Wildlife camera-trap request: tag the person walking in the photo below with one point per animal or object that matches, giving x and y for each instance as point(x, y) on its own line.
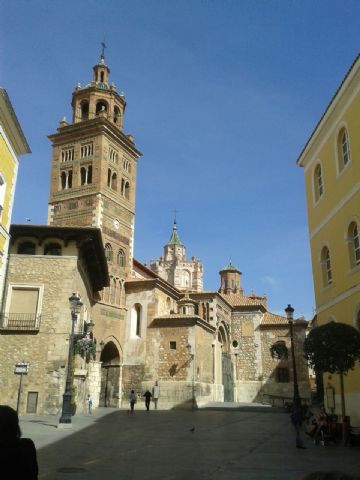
point(147, 396)
point(17, 455)
point(132, 400)
point(156, 394)
point(89, 404)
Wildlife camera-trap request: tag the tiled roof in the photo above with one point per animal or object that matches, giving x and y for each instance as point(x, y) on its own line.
point(273, 319)
point(238, 299)
point(230, 267)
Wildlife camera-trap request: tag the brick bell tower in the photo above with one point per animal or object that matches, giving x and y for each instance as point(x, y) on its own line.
point(93, 176)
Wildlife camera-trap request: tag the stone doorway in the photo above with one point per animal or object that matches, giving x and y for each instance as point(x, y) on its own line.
point(110, 376)
point(227, 374)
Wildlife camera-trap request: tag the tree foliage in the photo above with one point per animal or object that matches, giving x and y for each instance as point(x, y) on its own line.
point(333, 347)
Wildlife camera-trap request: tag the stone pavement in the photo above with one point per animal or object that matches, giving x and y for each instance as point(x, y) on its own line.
point(224, 444)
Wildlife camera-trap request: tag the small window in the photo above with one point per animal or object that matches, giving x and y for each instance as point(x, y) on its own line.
point(52, 249)
point(318, 183)
point(326, 266)
point(343, 148)
point(235, 344)
point(282, 375)
point(354, 244)
point(26, 248)
point(172, 345)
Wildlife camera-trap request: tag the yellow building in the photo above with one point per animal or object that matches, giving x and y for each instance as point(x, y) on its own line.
point(331, 162)
point(12, 144)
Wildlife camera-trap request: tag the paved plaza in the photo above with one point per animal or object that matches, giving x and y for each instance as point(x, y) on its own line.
point(223, 444)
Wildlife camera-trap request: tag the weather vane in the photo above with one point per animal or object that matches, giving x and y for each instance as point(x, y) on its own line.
point(103, 49)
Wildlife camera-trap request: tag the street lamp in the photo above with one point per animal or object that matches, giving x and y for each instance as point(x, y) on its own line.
point(290, 316)
point(192, 355)
point(66, 413)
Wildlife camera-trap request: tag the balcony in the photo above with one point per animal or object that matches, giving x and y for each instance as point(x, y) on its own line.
point(25, 322)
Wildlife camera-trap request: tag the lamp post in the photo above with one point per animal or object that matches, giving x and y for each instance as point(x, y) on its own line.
point(66, 413)
point(192, 357)
point(290, 316)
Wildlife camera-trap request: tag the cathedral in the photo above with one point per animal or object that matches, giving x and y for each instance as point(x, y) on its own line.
point(138, 324)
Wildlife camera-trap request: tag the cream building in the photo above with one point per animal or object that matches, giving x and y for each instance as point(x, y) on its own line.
point(12, 144)
point(331, 163)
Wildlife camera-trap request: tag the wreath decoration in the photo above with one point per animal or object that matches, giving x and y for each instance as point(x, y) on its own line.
point(279, 350)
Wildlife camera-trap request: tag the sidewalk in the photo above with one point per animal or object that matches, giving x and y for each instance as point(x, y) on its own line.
point(43, 428)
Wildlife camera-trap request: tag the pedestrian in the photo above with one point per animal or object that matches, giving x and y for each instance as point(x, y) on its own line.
point(296, 419)
point(156, 394)
point(147, 396)
point(132, 400)
point(17, 455)
point(89, 404)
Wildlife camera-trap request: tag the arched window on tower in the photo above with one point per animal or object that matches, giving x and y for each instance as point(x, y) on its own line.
point(116, 115)
point(63, 180)
point(86, 175)
point(109, 178)
point(83, 175)
point(89, 174)
point(108, 252)
point(101, 106)
point(84, 110)
point(114, 181)
point(69, 179)
point(127, 190)
point(121, 258)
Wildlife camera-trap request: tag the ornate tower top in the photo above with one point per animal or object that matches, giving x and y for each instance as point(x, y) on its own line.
point(99, 98)
point(174, 239)
point(230, 279)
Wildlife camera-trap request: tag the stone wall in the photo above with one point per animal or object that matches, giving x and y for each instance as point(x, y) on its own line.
point(46, 350)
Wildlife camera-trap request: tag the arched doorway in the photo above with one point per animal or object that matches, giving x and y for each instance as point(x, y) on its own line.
point(226, 365)
point(110, 376)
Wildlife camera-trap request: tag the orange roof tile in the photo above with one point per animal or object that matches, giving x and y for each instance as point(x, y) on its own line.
point(238, 299)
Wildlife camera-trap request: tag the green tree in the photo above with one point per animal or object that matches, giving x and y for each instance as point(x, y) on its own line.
point(334, 348)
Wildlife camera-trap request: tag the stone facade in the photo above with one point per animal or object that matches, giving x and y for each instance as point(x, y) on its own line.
point(39, 334)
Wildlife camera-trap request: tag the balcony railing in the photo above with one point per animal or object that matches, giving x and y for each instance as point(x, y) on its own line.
point(20, 321)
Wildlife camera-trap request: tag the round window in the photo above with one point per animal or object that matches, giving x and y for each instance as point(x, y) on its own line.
point(235, 344)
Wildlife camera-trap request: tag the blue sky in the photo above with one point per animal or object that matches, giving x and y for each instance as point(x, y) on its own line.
point(221, 97)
